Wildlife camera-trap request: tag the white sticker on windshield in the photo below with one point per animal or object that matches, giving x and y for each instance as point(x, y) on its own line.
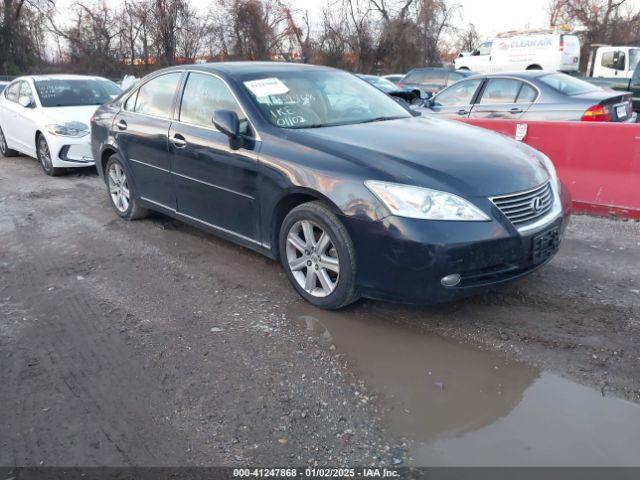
point(267, 86)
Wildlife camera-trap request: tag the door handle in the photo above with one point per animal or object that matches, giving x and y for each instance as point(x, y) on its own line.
point(122, 125)
point(463, 112)
point(178, 141)
point(516, 110)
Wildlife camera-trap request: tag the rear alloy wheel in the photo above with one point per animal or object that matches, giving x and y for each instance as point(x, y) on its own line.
point(44, 156)
point(121, 192)
point(318, 256)
point(4, 148)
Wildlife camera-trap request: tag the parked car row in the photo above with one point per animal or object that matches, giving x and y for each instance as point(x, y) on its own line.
point(352, 192)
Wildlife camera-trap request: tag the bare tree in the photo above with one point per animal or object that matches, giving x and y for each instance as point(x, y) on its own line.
point(21, 33)
point(467, 39)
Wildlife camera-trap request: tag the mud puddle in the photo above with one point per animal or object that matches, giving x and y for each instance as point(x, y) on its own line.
point(463, 406)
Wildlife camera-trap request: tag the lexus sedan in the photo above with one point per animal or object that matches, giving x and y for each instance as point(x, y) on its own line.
point(312, 166)
point(531, 95)
point(47, 117)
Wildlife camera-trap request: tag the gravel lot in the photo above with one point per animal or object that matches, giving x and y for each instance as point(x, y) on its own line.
point(152, 343)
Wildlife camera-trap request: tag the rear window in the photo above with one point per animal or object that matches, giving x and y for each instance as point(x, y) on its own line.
point(566, 84)
point(426, 76)
point(75, 92)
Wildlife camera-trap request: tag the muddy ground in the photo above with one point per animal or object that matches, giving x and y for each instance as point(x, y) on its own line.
point(152, 343)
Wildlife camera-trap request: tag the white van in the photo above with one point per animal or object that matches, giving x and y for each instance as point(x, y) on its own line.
point(539, 50)
point(606, 61)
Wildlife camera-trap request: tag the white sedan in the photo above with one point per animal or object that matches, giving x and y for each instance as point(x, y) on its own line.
point(47, 117)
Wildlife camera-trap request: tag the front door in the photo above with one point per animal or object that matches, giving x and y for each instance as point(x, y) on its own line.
point(142, 129)
point(456, 101)
point(499, 99)
point(214, 184)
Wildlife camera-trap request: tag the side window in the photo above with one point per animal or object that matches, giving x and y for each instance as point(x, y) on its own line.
point(500, 90)
point(615, 60)
point(130, 103)
point(484, 49)
point(203, 94)
point(527, 94)
point(13, 91)
point(459, 94)
point(25, 91)
point(156, 96)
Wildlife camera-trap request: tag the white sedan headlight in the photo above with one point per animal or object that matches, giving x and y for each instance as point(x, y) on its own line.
point(67, 130)
point(424, 203)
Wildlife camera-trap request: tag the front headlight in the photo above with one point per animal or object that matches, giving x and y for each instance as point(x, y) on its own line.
point(424, 203)
point(67, 130)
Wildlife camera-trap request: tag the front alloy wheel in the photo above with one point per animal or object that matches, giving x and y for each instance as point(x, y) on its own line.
point(318, 256)
point(44, 156)
point(313, 258)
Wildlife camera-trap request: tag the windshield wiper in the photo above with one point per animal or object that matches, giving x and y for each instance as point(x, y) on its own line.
point(381, 119)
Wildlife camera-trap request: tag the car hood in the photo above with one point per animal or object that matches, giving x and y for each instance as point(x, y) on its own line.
point(432, 152)
point(69, 115)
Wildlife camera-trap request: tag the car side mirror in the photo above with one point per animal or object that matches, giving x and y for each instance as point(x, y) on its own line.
point(228, 123)
point(26, 102)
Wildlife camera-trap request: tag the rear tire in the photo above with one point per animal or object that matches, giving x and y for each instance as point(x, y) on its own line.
point(122, 196)
point(44, 157)
point(5, 151)
point(318, 256)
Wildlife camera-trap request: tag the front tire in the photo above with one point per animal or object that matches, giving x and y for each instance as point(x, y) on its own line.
point(44, 157)
point(5, 151)
point(318, 256)
point(120, 189)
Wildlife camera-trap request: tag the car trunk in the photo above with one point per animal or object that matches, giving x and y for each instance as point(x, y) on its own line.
point(619, 104)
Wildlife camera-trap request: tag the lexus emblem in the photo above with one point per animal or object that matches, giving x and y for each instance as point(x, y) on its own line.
point(536, 204)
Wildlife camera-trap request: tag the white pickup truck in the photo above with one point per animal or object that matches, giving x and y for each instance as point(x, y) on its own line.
point(609, 62)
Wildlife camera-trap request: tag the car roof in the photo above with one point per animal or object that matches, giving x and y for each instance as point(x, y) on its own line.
point(525, 74)
point(232, 68)
point(63, 77)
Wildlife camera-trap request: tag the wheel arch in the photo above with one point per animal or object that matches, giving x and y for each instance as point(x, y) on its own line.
point(288, 202)
point(105, 154)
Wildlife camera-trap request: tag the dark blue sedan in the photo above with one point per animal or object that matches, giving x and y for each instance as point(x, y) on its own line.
point(344, 186)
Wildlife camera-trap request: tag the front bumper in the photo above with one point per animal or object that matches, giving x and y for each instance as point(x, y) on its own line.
point(71, 152)
point(404, 260)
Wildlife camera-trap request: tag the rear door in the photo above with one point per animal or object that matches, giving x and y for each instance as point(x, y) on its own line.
point(26, 121)
point(214, 183)
point(141, 130)
point(457, 100)
point(499, 99)
point(9, 112)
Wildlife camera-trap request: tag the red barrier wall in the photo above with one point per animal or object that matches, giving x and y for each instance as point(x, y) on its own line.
point(598, 162)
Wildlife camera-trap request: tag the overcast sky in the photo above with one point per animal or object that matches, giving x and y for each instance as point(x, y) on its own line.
point(489, 16)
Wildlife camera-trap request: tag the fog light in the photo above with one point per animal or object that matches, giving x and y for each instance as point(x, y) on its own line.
point(450, 280)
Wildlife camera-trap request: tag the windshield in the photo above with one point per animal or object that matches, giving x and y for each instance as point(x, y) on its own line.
point(634, 57)
point(76, 92)
point(567, 84)
point(312, 99)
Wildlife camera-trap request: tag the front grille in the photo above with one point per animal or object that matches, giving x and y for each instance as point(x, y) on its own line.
point(520, 208)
